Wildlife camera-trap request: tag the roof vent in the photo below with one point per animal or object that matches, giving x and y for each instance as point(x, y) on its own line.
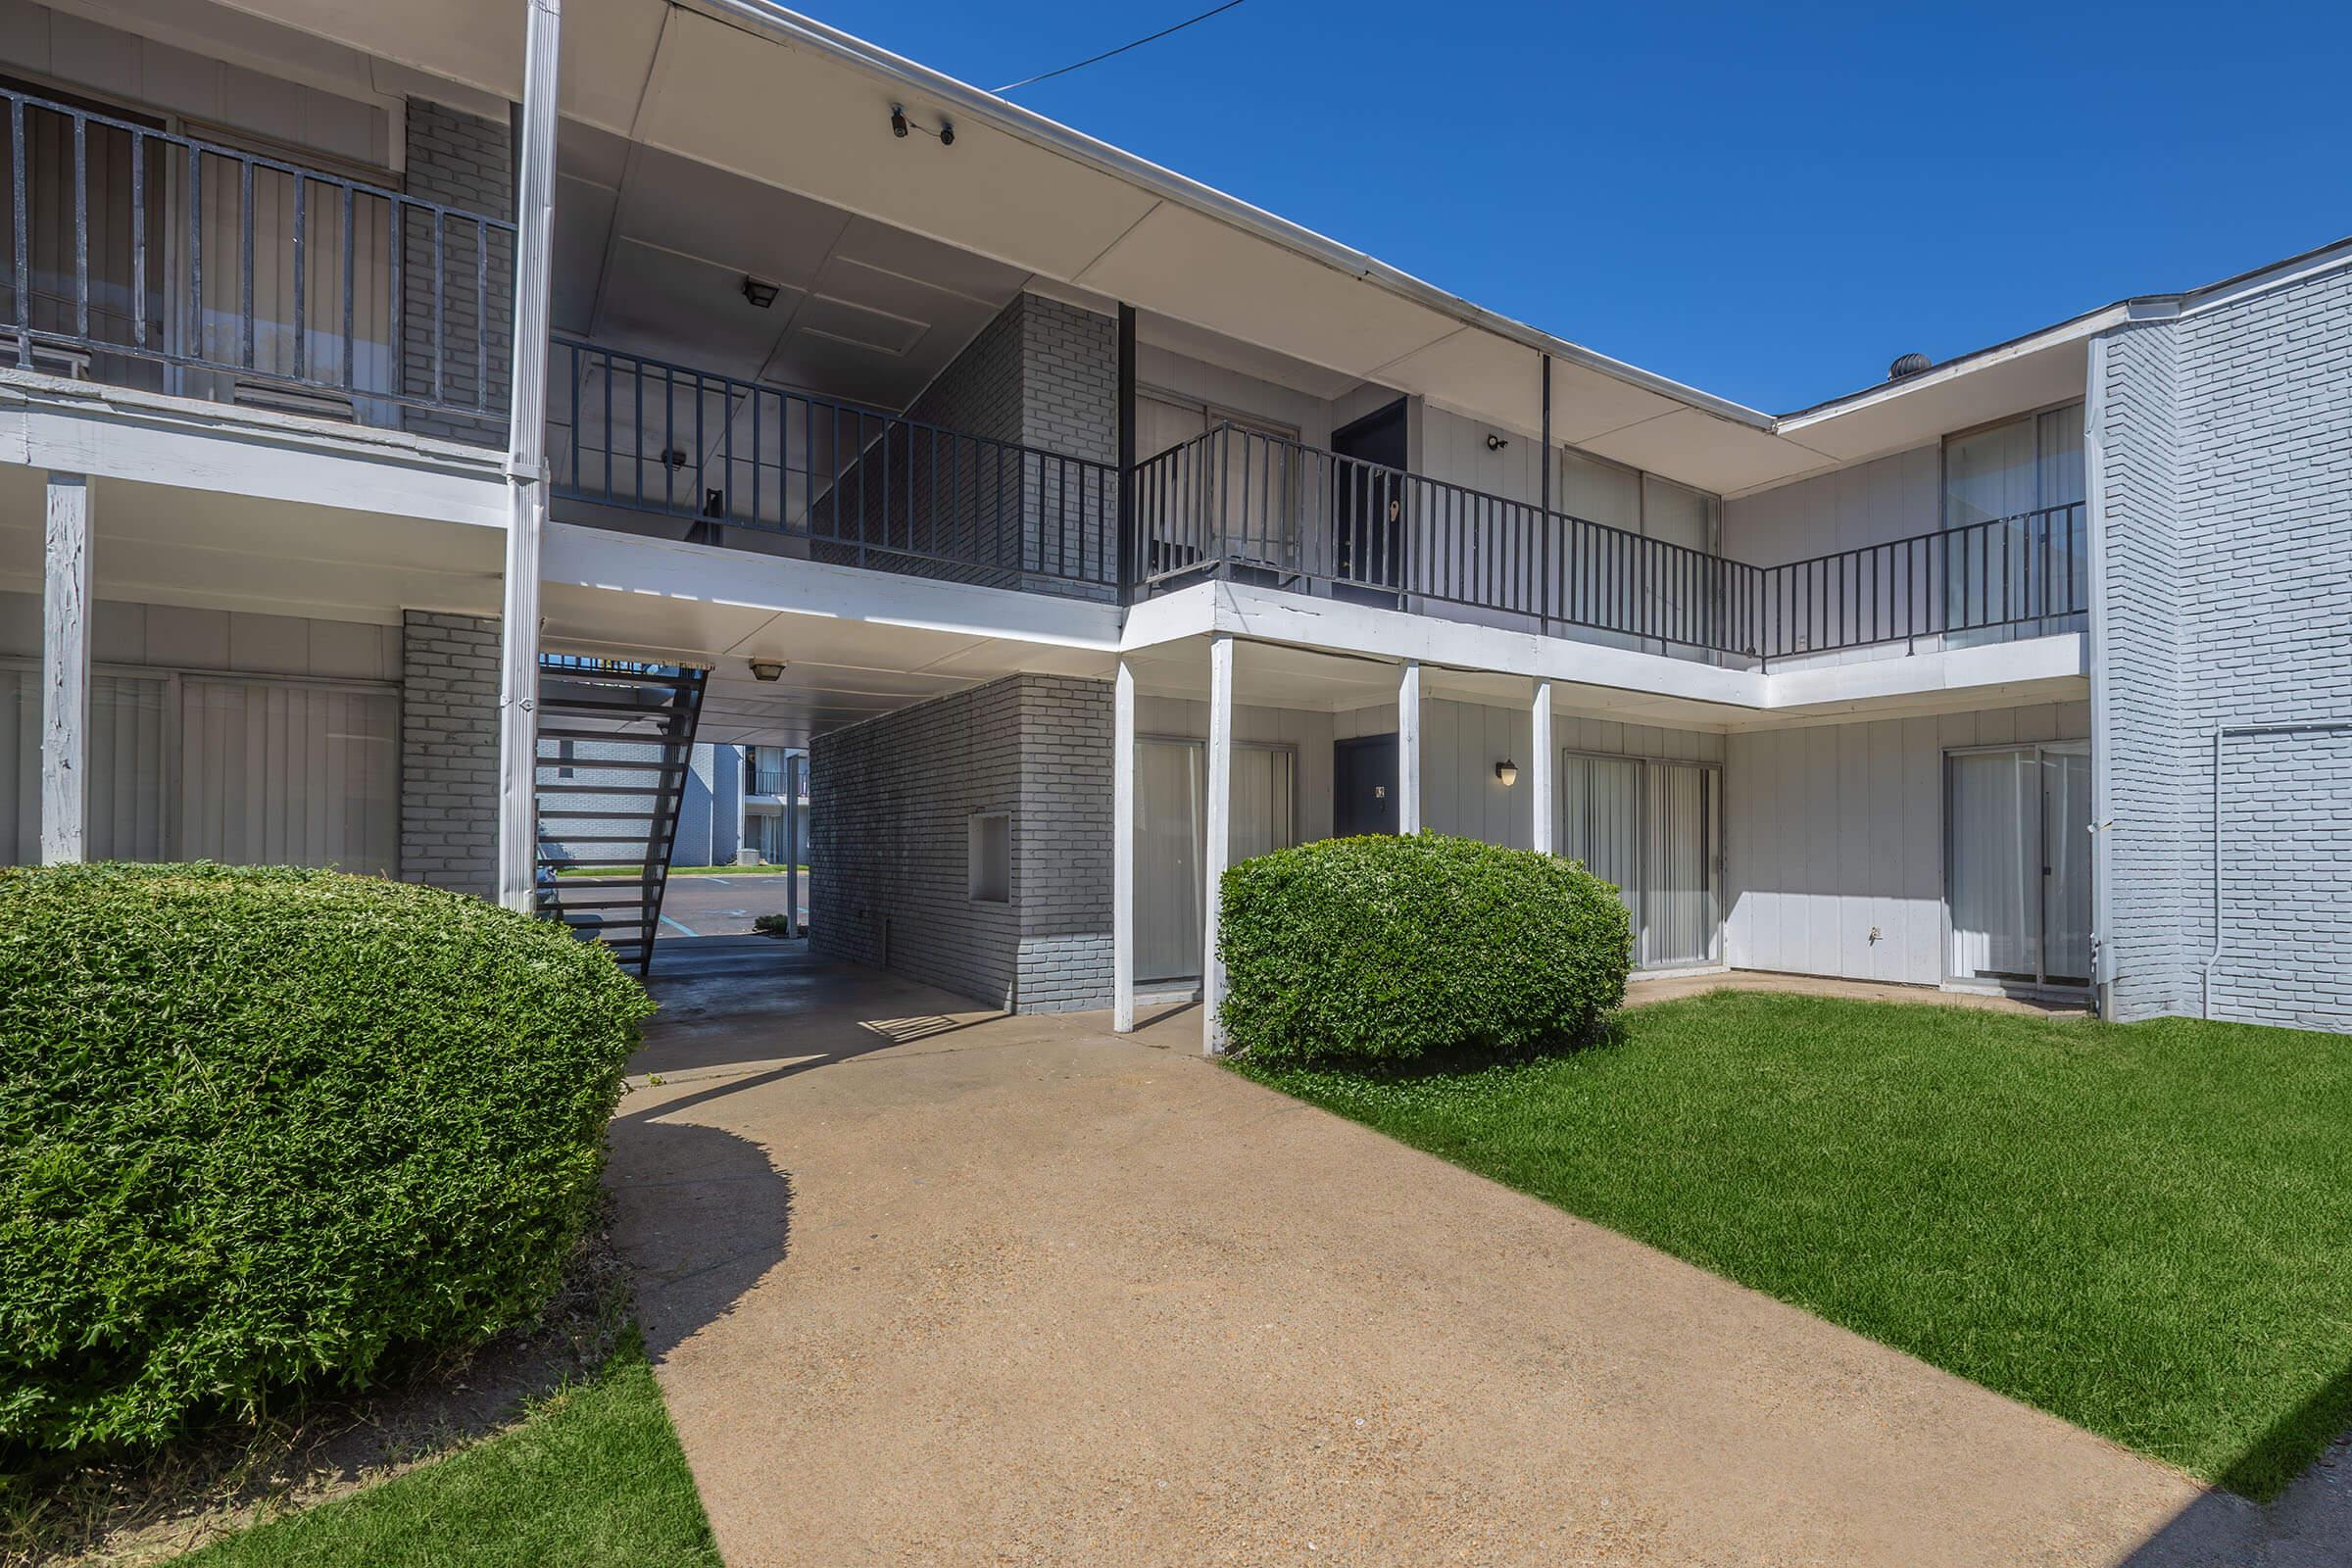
point(1909, 365)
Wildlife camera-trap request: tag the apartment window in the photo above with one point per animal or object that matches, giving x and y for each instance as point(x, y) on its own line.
point(2018, 545)
point(989, 857)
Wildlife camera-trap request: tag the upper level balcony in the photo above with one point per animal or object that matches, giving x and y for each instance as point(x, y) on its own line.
point(147, 257)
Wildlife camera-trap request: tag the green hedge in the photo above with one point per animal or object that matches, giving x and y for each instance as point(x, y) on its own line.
point(261, 1127)
point(1401, 948)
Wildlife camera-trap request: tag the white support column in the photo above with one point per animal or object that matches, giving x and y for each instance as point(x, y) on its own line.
point(527, 467)
point(1540, 769)
point(793, 768)
point(1408, 749)
point(1122, 850)
point(1220, 829)
point(66, 673)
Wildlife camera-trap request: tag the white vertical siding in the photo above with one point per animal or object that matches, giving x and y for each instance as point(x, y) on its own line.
point(1833, 831)
point(19, 767)
point(276, 773)
point(1868, 504)
point(126, 773)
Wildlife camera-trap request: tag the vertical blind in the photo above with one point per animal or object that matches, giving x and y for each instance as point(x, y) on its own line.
point(1171, 837)
point(1649, 827)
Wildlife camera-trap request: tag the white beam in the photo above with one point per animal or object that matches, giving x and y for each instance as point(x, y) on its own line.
point(66, 672)
point(527, 467)
point(1539, 770)
point(1122, 850)
point(1220, 820)
point(1408, 749)
point(793, 768)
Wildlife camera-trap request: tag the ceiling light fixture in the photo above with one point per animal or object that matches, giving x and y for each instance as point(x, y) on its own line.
point(767, 669)
point(1508, 771)
point(759, 293)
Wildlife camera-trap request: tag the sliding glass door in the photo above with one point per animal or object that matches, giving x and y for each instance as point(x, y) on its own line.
point(1171, 838)
point(2018, 875)
point(1649, 828)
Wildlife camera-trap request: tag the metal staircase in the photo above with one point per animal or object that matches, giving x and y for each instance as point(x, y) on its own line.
point(615, 743)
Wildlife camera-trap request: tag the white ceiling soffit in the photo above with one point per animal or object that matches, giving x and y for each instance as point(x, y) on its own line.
point(2048, 367)
point(809, 113)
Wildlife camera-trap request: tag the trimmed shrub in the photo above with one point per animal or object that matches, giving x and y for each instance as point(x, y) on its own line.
point(261, 1128)
point(1397, 948)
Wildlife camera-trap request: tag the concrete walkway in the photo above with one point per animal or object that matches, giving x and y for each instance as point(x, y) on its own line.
point(929, 1285)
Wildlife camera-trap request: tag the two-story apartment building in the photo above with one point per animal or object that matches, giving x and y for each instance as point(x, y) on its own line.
point(392, 398)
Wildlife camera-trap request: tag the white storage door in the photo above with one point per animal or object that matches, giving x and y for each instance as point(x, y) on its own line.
point(284, 775)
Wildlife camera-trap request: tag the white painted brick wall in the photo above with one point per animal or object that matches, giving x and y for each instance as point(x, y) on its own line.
point(2228, 508)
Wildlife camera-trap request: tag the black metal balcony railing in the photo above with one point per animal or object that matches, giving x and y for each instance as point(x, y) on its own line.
point(139, 257)
point(861, 486)
point(1242, 503)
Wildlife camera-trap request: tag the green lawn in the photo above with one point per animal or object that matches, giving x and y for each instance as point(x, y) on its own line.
point(592, 1479)
point(2145, 1229)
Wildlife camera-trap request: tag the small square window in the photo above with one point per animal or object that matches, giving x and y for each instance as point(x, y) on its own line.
point(988, 837)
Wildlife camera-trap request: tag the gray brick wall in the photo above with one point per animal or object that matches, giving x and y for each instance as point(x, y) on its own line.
point(467, 163)
point(2227, 510)
point(1041, 375)
point(449, 752)
point(891, 800)
point(1061, 851)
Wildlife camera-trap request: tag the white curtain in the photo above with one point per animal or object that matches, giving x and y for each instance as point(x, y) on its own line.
point(1601, 820)
point(213, 329)
point(1171, 834)
point(1995, 872)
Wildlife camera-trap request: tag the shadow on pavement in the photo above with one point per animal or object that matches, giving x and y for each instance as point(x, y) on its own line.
point(701, 1214)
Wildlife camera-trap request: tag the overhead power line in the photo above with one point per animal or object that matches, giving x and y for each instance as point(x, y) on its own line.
point(1045, 76)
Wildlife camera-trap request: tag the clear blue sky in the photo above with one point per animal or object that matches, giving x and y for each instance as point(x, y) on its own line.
point(1768, 202)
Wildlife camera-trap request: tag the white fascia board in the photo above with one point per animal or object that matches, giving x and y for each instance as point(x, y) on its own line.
point(582, 557)
point(2025, 661)
point(1269, 615)
point(116, 433)
point(1364, 631)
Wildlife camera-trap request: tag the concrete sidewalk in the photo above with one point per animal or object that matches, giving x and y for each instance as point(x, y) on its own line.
point(930, 1286)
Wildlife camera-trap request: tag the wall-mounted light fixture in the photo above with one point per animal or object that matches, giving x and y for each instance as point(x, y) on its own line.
point(767, 669)
point(1495, 443)
point(1508, 771)
point(900, 126)
point(759, 293)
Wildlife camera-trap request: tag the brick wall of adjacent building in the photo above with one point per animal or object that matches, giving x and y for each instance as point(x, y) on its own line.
point(467, 163)
point(891, 805)
point(449, 752)
point(2227, 517)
